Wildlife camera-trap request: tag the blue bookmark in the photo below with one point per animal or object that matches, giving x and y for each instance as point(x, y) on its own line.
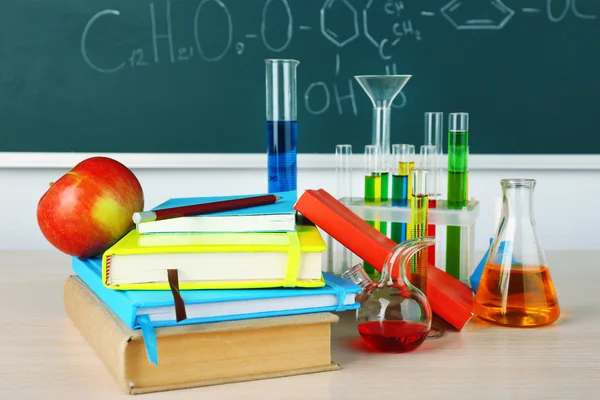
point(149, 338)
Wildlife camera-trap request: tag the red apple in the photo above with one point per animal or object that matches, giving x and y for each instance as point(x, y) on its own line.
point(90, 207)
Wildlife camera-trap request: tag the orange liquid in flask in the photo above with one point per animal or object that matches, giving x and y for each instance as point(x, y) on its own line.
point(519, 297)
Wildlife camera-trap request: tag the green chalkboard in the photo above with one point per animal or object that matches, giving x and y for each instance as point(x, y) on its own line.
point(187, 76)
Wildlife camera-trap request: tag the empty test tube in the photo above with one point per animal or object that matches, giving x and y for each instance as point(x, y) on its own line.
point(427, 159)
point(341, 256)
point(434, 136)
point(343, 167)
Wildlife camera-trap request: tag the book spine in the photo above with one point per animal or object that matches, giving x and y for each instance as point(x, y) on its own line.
point(107, 268)
point(345, 226)
point(340, 295)
point(99, 329)
point(116, 300)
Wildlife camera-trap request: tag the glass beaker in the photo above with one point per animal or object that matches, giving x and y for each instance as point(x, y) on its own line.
point(282, 125)
point(394, 316)
point(516, 288)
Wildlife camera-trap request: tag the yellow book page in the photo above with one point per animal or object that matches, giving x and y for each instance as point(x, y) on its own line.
point(217, 285)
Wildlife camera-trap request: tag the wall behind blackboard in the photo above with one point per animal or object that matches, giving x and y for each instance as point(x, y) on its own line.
point(187, 76)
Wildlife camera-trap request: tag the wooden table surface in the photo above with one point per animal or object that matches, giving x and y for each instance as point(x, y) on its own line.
point(42, 355)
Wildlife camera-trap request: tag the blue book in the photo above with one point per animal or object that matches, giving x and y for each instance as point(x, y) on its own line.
point(277, 217)
point(148, 309)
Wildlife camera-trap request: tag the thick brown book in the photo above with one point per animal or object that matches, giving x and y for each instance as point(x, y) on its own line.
point(201, 354)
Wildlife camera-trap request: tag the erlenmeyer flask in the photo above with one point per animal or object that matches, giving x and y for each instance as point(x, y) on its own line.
point(394, 316)
point(516, 288)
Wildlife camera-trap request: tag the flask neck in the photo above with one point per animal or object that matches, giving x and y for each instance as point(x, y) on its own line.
point(516, 241)
point(517, 202)
point(358, 275)
point(394, 268)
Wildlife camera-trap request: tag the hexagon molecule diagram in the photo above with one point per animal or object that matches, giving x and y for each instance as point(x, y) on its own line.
point(477, 14)
point(346, 22)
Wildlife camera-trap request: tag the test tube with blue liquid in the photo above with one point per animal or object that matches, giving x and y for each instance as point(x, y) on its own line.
point(402, 167)
point(282, 128)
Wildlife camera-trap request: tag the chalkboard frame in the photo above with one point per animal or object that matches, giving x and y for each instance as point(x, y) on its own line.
point(306, 161)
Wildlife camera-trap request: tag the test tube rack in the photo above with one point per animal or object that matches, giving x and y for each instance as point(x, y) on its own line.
point(440, 216)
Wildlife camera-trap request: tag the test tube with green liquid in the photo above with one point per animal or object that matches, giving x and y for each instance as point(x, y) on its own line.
point(467, 195)
point(372, 177)
point(458, 150)
point(402, 167)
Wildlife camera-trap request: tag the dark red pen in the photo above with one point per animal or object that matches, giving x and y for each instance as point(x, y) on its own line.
point(206, 208)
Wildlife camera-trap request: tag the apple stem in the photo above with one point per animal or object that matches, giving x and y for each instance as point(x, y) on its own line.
point(51, 183)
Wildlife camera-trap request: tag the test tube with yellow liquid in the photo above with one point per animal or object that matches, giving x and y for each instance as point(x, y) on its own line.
point(419, 207)
point(372, 194)
point(402, 166)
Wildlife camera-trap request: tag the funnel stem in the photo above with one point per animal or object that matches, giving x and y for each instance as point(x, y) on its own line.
point(382, 90)
point(381, 135)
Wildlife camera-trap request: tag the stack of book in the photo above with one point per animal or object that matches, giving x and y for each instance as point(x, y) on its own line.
point(210, 299)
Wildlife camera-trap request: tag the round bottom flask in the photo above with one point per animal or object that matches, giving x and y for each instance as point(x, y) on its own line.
point(394, 316)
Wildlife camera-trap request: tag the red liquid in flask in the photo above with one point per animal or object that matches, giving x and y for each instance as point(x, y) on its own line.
point(393, 336)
